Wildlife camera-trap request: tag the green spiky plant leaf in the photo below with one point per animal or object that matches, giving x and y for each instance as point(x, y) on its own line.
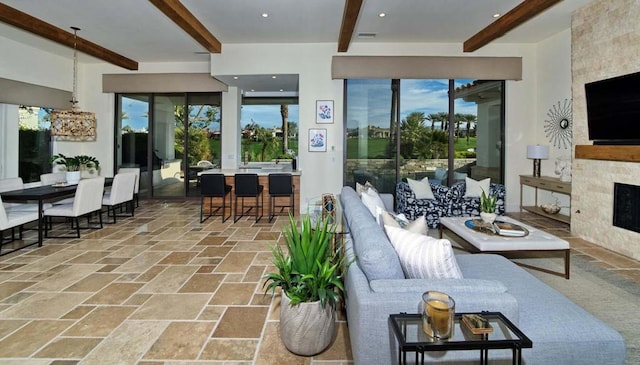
point(487, 203)
point(310, 269)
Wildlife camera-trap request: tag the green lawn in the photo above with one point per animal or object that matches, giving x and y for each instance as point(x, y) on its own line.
point(376, 147)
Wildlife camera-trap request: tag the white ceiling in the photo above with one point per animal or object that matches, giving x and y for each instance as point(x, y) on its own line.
point(138, 30)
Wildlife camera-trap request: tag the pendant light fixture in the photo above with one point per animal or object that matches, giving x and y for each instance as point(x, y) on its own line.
point(74, 124)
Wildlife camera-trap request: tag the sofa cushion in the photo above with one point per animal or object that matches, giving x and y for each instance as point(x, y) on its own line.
point(375, 254)
point(422, 188)
point(418, 226)
point(423, 257)
point(372, 201)
point(474, 189)
point(444, 285)
point(362, 188)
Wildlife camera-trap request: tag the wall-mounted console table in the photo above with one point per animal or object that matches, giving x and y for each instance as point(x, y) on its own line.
point(545, 183)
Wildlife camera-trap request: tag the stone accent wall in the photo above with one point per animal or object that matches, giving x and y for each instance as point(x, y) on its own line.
point(605, 43)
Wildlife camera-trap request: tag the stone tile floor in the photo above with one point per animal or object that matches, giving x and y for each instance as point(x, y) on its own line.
point(162, 288)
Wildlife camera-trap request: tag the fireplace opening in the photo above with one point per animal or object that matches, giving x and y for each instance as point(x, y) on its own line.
point(626, 206)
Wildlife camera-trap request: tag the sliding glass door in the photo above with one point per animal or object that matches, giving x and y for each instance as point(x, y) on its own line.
point(185, 131)
point(443, 130)
point(132, 137)
point(168, 123)
point(203, 138)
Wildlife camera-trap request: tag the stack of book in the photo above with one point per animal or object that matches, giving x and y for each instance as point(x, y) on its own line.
point(508, 229)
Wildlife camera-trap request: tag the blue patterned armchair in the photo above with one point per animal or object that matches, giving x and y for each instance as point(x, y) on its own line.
point(412, 207)
point(448, 202)
point(470, 207)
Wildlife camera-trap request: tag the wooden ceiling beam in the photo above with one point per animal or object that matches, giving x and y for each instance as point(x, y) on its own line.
point(36, 26)
point(515, 17)
point(180, 15)
point(349, 20)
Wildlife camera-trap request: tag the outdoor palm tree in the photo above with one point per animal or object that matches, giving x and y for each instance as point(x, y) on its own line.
point(440, 117)
point(412, 132)
point(268, 141)
point(468, 118)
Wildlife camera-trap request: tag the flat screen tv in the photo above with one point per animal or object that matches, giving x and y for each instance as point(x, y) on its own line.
point(613, 110)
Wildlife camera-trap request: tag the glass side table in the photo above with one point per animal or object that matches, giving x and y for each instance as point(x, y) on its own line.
point(407, 329)
point(341, 229)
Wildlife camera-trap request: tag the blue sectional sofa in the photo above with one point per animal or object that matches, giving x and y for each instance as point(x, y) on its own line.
point(448, 202)
point(561, 331)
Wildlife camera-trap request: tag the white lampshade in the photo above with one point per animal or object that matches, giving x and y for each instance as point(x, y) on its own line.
point(538, 151)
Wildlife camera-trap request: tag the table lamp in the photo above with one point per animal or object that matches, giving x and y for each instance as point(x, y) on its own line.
point(537, 153)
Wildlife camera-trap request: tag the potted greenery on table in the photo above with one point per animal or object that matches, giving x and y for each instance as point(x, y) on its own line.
point(309, 276)
point(77, 166)
point(488, 208)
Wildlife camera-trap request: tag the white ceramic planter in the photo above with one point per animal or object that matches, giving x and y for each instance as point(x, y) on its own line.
point(488, 218)
point(307, 328)
point(73, 177)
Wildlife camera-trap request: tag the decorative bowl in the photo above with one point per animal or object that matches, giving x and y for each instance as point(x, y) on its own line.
point(550, 208)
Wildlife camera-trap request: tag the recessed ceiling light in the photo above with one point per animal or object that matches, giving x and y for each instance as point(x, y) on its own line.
point(274, 77)
point(281, 89)
point(253, 89)
point(365, 35)
point(382, 15)
point(496, 15)
point(265, 15)
point(235, 77)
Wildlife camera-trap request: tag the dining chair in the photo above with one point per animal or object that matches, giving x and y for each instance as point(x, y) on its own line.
point(11, 183)
point(52, 178)
point(121, 194)
point(280, 186)
point(86, 202)
point(135, 170)
point(247, 186)
point(214, 186)
point(15, 183)
point(10, 219)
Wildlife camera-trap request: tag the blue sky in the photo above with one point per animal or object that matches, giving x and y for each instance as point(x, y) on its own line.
point(267, 116)
point(371, 99)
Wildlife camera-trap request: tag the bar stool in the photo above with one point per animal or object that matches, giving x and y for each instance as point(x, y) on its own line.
point(214, 186)
point(280, 185)
point(247, 186)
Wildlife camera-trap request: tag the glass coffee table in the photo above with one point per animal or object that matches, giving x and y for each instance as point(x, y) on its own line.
point(407, 329)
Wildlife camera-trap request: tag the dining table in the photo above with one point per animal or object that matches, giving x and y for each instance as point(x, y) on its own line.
point(42, 194)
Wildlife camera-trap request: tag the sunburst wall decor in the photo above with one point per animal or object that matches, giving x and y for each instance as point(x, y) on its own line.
point(558, 124)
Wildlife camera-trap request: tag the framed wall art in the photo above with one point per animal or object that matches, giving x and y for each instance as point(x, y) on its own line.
point(324, 111)
point(317, 140)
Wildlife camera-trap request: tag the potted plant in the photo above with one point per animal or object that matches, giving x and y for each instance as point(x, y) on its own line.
point(309, 276)
point(77, 165)
point(488, 208)
point(89, 166)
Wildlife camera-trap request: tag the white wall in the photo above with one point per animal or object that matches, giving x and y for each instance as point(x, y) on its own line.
point(553, 58)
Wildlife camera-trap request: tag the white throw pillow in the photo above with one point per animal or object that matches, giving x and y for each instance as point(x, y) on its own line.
point(423, 257)
point(399, 221)
point(422, 188)
point(372, 201)
point(475, 188)
point(361, 188)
